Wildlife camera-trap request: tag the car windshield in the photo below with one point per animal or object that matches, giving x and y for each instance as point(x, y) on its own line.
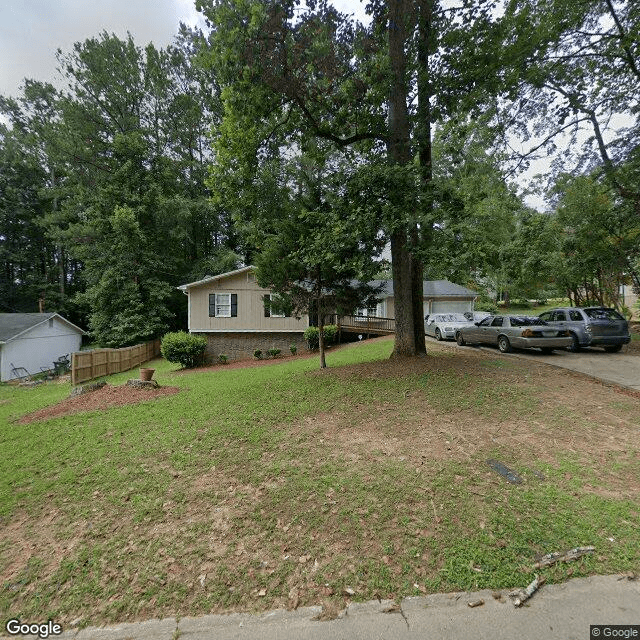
point(603, 314)
point(526, 321)
point(453, 317)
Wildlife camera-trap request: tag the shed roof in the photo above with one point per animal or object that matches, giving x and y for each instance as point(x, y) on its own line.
point(14, 324)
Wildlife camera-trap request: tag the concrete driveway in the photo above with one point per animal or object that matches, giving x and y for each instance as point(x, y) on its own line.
point(611, 367)
point(617, 368)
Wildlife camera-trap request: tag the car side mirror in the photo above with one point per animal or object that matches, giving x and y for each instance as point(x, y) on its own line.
point(477, 324)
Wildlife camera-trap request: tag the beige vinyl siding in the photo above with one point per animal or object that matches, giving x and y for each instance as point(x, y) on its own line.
point(250, 308)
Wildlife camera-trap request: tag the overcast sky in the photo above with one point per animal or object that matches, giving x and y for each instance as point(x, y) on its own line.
point(32, 30)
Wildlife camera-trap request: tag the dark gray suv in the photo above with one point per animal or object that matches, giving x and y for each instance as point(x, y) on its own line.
point(590, 326)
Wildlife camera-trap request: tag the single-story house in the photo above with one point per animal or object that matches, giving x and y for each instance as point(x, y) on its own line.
point(229, 310)
point(33, 341)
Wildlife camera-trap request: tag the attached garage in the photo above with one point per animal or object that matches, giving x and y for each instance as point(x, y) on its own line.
point(34, 341)
point(440, 296)
point(450, 306)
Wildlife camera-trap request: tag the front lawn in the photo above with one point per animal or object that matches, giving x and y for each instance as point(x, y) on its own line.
point(280, 485)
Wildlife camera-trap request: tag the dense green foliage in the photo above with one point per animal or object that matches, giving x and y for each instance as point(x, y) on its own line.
point(312, 335)
point(298, 139)
point(105, 209)
point(183, 348)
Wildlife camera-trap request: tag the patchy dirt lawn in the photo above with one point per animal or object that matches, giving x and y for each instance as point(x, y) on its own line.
point(386, 493)
point(107, 397)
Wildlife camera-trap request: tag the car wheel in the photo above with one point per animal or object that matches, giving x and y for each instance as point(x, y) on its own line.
point(460, 339)
point(613, 349)
point(546, 350)
point(438, 335)
point(575, 344)
point(503, 344)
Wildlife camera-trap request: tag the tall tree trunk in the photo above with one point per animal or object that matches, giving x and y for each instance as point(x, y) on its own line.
point(399, 152)
point(323, 362)
point(422, 235)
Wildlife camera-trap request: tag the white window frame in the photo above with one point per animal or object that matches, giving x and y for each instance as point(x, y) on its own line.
point(378, 313)
point(276, 314)
point(221, 305)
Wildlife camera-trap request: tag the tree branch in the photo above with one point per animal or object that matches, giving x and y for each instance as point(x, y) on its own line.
point(629, 55)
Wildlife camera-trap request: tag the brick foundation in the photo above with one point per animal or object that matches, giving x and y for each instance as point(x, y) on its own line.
point(239, 346)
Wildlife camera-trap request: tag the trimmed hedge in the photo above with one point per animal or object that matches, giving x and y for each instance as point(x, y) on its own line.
point(312, 336)
point(183, 348)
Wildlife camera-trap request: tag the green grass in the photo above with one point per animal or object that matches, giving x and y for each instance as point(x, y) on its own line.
point(536, 310)
point(235, 478)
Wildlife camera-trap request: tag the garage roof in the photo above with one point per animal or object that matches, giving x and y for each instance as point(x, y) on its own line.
point(432, 289)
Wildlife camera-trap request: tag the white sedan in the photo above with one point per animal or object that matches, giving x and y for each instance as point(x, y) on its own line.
point(443, 326)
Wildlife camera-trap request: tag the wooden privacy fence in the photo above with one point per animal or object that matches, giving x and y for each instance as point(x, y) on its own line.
point(87, 365)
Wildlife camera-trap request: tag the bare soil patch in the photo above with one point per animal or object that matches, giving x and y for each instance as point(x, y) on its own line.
point(422, 430)
point(106, 398)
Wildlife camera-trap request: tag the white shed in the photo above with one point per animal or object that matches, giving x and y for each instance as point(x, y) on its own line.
point(34, 341)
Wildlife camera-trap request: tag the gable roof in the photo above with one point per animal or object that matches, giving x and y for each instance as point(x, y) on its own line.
point(13, 325)
point(207, 279)
point(431, 289)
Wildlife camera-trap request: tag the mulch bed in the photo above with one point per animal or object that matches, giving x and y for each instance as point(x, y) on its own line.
point(105, 398)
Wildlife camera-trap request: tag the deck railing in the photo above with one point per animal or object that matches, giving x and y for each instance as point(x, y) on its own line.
point(364, 324)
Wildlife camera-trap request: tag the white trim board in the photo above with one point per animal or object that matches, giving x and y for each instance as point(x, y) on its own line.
point(247, 330)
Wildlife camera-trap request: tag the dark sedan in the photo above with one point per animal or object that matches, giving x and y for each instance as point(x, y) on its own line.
point(522, 332)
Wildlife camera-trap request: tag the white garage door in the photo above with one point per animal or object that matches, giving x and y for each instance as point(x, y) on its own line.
point(451, 306)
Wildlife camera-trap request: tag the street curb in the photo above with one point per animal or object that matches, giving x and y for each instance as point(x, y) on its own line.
point(605, 599)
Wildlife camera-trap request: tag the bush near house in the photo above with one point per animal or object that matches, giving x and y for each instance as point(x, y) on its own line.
point(183, 348)
point(312, 336)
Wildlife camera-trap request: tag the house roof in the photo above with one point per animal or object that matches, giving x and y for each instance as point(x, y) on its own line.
point(206, 279)
point(431, 289)
point(13, 325)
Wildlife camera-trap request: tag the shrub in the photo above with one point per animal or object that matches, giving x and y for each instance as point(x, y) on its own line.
point(485, 304)
point(330, 333)
point(258, 354)
point(312, 335)
point(274, 353)
point(293, 349)
point(183, 348)
point(224, 358)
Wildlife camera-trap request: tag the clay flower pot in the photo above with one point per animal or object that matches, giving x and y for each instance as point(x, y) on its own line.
point(146, 374)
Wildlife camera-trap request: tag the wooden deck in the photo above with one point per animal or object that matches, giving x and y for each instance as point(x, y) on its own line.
point(365, 324)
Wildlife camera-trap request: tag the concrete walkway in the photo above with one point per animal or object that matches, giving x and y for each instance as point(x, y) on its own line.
point(556, 612)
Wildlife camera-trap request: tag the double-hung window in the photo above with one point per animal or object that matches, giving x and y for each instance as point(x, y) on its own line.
point(223, 305)
point(268, 311)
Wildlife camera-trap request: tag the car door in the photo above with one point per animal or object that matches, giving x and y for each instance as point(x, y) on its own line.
point(429, 327)
point(560, 319)
point(492, 331)
point(473, 332)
